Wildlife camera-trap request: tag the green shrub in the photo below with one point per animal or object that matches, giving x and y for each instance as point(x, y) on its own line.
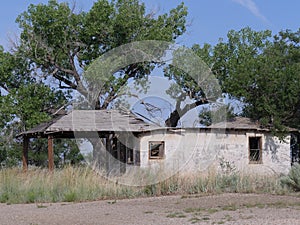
point(70, 196)
point(292, 180)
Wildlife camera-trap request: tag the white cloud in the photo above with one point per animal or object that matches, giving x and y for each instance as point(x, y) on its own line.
point(252, 7)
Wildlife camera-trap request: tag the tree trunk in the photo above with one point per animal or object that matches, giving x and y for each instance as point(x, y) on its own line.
point(175, 116)
point(172, 121)
point(99, 153)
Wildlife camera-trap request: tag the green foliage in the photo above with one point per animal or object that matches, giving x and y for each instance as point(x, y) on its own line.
point(62, 43)
point(292, 180)
point(30, 103)
point(10, 150)
point(21, 109)
point(24, 104)
point(70, 196)
point(222, 113)
point(66, 152)
point(16, 64)
point(194, 83)
point(262, 71)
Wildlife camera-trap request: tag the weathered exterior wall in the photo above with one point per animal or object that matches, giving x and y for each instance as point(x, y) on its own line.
point(179, 148)
point(234, 149)
point(196, 150)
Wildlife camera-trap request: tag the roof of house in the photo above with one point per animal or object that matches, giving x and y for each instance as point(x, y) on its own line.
point(119, 121)
point(92, 120)
point(239, 123)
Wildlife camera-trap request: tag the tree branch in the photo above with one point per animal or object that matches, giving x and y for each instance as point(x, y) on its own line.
point(78, 86)
point(175, 116)
point(66, 81)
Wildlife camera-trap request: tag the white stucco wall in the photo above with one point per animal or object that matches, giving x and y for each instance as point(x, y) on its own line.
point(179, 148)
point(197, 150)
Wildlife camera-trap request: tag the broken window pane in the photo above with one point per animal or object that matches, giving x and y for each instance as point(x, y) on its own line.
point(255, 150)
point(156, 149)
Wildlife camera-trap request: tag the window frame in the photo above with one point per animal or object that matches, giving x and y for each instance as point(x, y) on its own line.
point(161, 155)
point(259, 140)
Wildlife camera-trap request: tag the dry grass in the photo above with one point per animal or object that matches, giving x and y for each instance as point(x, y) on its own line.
point(83, 184)
point(68, 184)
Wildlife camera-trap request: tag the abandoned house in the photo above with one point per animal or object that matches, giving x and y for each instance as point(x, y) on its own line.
point(127, 141)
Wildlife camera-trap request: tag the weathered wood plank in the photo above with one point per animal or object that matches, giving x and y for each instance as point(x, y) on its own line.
point(25, 153)
point(50, 153)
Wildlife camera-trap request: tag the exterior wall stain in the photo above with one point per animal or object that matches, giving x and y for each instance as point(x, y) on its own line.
point(196, 150)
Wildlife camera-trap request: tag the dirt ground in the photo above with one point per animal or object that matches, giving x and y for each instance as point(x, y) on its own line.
point(213, 209)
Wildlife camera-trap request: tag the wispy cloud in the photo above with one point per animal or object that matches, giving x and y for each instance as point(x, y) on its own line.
point(252, 7)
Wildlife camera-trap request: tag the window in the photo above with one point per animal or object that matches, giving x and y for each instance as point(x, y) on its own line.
point(255, 150)
point(156, 149)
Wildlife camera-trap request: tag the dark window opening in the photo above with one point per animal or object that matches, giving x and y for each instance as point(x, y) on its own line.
point(156, 149)
point(255, 150)
point(129, 155)
point(295, 148)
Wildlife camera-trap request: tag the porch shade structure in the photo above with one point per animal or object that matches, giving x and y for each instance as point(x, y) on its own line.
point(84, 123)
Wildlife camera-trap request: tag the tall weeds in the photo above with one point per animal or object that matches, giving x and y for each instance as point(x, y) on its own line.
point(83, 184)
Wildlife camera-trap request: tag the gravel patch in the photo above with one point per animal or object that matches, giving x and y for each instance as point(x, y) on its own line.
point(207, 209)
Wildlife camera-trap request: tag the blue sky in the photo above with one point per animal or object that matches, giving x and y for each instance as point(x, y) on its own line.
point(208, 20)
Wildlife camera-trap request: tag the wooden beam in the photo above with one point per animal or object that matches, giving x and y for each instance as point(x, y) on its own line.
point(25, 153)
point(50, 153)
point(107, 152)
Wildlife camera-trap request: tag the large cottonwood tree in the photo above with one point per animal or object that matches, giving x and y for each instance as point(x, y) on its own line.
point(61, 43)
point(258, 69)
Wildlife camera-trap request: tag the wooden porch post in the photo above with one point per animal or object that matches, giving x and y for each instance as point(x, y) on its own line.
point(107, 151)
point(25, 153)
point(50, 153)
